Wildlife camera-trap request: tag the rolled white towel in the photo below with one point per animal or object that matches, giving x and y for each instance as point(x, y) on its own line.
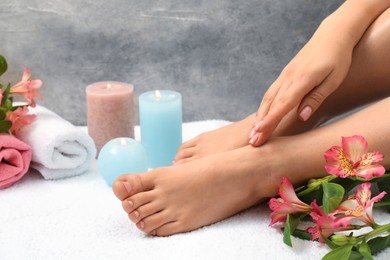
point(60, 149)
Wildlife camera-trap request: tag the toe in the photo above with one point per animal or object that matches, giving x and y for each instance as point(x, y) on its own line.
point(137, 200)
point(130, 184)
point(167, 229)
point(153, 222)
point(185, 153)
point(145, 211)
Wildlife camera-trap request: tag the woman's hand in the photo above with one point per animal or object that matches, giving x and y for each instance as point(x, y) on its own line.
point(318, 69)
point(310, 77)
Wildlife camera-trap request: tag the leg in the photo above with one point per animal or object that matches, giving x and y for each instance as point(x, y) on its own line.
point(367, 81)
point(187, 196)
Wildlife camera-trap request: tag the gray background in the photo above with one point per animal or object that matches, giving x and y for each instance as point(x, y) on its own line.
point(221, 55)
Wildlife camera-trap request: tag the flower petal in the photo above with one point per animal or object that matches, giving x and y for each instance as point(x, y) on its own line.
point(370, 171)
point(337, 162)
point(354, 147)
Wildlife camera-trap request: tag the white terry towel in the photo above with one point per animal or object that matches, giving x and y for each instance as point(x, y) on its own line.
point(60, 149)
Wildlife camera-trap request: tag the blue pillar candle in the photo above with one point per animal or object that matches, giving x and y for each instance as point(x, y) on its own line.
point(120, 156)
point(161, 125)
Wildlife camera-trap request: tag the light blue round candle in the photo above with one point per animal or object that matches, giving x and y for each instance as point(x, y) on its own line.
point(161, 125)
point(119, 156)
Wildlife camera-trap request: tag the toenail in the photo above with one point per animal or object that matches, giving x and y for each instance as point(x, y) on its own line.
point(142, 224)
point(130, 203)
point(136, 214)
point(127, 186)
point(153, 233)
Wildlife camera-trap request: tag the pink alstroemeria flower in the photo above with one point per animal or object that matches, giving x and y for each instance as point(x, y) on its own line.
point(358, 207)
point(324, 224)
point(352, 159)
point(19, 118)
point(288, 203)
point(27, 88)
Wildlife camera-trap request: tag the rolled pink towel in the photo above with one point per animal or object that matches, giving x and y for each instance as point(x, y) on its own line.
point(15, 157)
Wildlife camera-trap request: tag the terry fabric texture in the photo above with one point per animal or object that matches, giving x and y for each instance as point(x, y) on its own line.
point(59, 148)
point(15, 157)
point(80, 218)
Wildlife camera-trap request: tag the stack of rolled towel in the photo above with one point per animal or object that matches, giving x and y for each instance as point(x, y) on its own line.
point(59, 148)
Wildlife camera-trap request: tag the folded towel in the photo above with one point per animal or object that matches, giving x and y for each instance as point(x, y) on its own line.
point(59, 148)
point(15, 157)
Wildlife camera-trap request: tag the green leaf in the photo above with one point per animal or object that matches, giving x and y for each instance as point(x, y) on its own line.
point(378, 244)
point(365, 250)
point(3, 65)
point(310, 197)
point(384, 185)
point(347, 183)
point(291, 224)
point(355, 256)
point(5, 96)
point(5, 126)
point(302, 234)
point(333, 195)
point(340, 253)
point(328, 242)
point(3, 114)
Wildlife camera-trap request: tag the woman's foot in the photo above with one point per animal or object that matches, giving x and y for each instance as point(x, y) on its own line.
point(224, 139)
point(236, 135)
point(185, 197)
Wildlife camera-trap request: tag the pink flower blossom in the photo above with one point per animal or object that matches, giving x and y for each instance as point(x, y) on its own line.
point(1, 95)
point(358, 207)
point(352, 159)
point(324, 224)
point(288, 203)
point(27, 88)
point(19, 118)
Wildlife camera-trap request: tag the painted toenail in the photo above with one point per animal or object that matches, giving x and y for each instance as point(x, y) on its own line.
point(142, 224)
point(127, 186)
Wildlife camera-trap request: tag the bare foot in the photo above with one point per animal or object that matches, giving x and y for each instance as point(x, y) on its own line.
point(187, 196)
point(236, 135)
point(224, 139)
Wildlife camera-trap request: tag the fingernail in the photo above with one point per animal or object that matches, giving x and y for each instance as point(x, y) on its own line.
point(127, 186)
point(253, 132)
point(258, 125)
point(305, 113)
point(254, 138)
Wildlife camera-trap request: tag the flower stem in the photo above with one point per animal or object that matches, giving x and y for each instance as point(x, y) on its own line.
point(378, 229)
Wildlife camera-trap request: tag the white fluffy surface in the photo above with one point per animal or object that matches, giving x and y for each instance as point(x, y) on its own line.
point(60, 149)
point(80, 218)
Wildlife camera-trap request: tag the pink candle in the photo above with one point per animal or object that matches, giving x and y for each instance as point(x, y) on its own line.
point(110, 111)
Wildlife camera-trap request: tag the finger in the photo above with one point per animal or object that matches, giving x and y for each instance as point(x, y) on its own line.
point(267, 99)
point(312, 101)
point(287, 99)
